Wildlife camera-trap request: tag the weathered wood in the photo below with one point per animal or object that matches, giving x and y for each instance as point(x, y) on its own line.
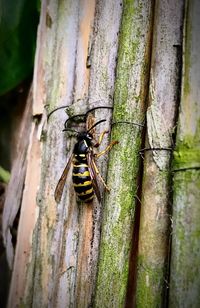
point(28, 217)
point(59, 269)
point(185, 257)
point(58, 225)
point(15, 187)
point(103, 56)
point(24, 273)
point(58, 245)
point(129, 105)
point(154, 232)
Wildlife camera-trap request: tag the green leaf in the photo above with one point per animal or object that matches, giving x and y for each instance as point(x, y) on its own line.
point(18, 27)
point(4, 175)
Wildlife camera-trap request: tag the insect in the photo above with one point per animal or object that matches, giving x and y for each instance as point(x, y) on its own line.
point(85, 171)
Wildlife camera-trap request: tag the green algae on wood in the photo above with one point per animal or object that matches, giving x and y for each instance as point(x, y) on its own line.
point(185, 254)
point(185, 259)
point(149, 283)
point(129, 101)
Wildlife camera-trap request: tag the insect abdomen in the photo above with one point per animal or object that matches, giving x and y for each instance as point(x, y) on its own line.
point(82, 179)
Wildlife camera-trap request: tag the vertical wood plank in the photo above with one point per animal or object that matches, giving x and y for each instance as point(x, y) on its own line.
point(185, 257)
point(60, 268)
point(129, 105)
point(164, 89)
point(103, 53)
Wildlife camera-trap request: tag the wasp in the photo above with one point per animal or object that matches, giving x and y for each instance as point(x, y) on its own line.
point(85, 171)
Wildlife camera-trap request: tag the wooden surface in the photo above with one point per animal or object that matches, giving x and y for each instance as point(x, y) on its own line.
point(185, 257)
point(129, 105)
point(164, 89)
point(16, 184)
point(125, 55)
point(59, 243)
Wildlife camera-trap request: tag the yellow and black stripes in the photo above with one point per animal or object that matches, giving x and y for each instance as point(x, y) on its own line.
point(82, 179)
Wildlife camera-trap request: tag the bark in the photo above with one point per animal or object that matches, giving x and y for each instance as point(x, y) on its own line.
point(185, 257)
point(129, 105)
point(156, 187)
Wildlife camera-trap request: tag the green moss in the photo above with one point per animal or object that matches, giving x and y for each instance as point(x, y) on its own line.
point(22, 305)
point(129, 41)
point(115, 246)
point(187, 153)
point(149, 283)
point(123, 166)
point(115, 274)
point(118, 216)
point(185, 243)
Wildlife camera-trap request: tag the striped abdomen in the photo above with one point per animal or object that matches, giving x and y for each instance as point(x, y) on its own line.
point(81, 178)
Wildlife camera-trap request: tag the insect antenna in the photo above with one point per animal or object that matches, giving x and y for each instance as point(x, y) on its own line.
point(70, 130)
point(84, 115)
point(73, 117)
point(97, 123)
point(56, 109)
point(98, 107)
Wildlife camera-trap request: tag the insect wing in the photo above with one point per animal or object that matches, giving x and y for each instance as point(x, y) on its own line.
point(60, 186)
point(93, 174)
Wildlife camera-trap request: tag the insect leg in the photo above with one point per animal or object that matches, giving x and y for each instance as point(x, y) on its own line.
point(109, 147)
point(100, 138)
point(100, 177)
